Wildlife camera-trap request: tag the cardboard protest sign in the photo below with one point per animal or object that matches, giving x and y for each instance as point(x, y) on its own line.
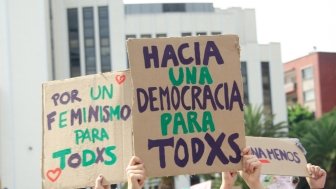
point(188, 107)
point(86, 130)
point(279, 156)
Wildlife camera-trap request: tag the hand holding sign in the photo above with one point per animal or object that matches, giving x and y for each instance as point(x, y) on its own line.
point(317, 176)
point(228, 180)
point(136, 173)
point(251, 169)
point(99, 183)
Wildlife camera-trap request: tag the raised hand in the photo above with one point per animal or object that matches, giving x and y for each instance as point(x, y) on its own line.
point(228, 180)
point(317, 176)
point(99, 183)
point(251, 169)
point(136, 173)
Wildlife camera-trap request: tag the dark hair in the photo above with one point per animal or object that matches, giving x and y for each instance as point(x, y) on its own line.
point(295, 180)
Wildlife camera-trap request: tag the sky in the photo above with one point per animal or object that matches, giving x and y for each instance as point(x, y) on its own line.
point(298, 25)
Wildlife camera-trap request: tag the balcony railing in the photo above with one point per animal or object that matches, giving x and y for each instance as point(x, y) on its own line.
point(290, 87)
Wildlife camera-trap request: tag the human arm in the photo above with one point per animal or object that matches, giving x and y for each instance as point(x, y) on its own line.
point(228, 180)
point(136, 173)
point(99, 183)
point(251, 169)
point(317, 176)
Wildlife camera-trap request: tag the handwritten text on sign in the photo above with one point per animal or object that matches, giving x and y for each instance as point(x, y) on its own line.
point(277, 153)
point(82, 120)
point(191, 102)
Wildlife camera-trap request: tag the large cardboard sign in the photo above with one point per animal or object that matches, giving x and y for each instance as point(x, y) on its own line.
point(279, 156)
point(86, 130)
point(188, 104)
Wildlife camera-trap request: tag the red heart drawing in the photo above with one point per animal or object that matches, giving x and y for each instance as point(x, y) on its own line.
point(120, 78)
point(54, 174)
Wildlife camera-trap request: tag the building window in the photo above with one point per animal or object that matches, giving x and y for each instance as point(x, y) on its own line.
point(104, 34)
point(290, 77)
point(146, 36)
point(174, 7)
point(130, 36)
point(216, 33)
point(266, 86)
point(307, 73)
point(245, 81)
point(89, 41)
point(309, 95)
point(161, 35)
point(201, 33)
point(73, 33)
point(186, 34)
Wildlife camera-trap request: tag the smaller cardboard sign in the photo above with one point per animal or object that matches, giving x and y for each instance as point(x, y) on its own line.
point(86, 130)
point(279, 156)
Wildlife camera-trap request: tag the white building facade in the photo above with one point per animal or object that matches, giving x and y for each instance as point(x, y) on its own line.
point(57, 39)
point(24, 58)
point(261, 64)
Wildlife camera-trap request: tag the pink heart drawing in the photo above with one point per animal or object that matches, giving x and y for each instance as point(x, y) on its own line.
point(54, 174)
point(120, 78)
point(264, 161)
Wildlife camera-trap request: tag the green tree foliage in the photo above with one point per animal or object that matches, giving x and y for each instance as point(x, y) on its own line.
point(298, 113)
point(299, 121)
point(319, 139)
point(258, 123)
point(320, 143)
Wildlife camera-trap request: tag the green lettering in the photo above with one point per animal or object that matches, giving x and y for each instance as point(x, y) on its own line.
point(108, 92)
point(109, 153)
point(102, 91)
point(86, 135)
point(78, 134)
point(173, 79)
point(104, 134)
point(165, 120)
point(62, 119)
point(191, 75)
point(61, 154)
point(92, 93)
point(95, 135)
point(207, 122)
point(205, 76)
point(101, 116)
point(115, 112)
